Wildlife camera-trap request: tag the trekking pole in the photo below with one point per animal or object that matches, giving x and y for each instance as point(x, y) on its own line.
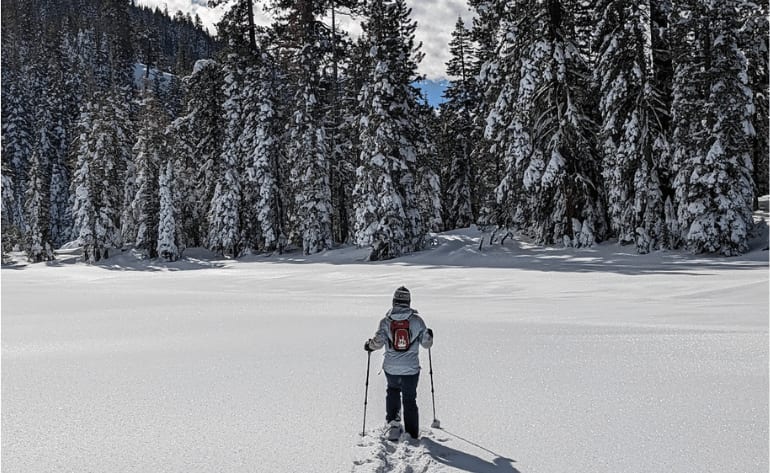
point(366, 393)
point(435, 424)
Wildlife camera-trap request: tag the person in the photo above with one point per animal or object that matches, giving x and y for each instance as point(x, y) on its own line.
point(401, 332)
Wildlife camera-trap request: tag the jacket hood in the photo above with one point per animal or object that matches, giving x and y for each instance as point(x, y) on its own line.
point(401, 312)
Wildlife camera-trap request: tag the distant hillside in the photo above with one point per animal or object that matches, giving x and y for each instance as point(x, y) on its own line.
point(137, 33)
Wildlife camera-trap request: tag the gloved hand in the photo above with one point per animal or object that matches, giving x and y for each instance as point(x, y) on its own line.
point(366, 345)
point(430, 332)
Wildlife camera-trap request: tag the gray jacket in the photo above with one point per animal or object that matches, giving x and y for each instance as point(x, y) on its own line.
point(401, 362)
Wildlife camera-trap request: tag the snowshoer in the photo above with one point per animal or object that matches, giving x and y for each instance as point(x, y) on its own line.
point(401, 332)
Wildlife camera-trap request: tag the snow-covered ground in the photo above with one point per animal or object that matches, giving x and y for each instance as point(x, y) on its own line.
point(545, 361)
point(140, 74)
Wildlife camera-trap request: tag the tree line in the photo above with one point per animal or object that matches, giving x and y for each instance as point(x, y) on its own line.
point(572, 123)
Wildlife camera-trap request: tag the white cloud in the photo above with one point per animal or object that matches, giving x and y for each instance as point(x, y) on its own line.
point(435, 22)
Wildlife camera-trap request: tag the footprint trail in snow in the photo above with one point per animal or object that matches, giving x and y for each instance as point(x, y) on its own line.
point(437, 451)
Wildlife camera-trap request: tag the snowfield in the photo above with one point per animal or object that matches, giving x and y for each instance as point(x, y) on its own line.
point(546, 360)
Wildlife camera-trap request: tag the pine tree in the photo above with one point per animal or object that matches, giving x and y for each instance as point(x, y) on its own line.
point(102, 152)
point(9, 232)
point(84, 187)
point(150, 150)
point(199, 134)
point(168, 237)
point(428, 167)
point(262, 163)
point(754, 42)
point(348, 136)
point(714, 103)
point(58, 102)
point(632, 113)
point(17, 139)
point(37, 204)
point(456, 115)
point(688, 88)
point(308, 153)
point(308, 157)
point(487, 162)
point(45, 150)
point(246, 210)
point(224, 216)
point(342, 166)
point(386, 207)
point(511, 78)
point(117, 19)
point(543, 128)
point(237, 28)
point(663, 78)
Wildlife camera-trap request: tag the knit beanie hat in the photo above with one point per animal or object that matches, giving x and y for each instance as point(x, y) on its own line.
point(402, 297)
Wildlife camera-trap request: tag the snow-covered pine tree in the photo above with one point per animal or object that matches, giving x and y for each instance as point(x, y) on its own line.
point(224, 216)
point(688, 89)
point(456, 116)
point(61, 212)
point(487, 162)
point(48, 147)
point(90, 51)
point(542, 120)
point(168, 245)
point(117, 21)
point(118, 144)
point(263, 175)
point(510, 80)
point(662, 81)
point(84, 186)
point(753, 41)
point(428, 167)
point(429, 199)
point(308, 158)
point(17, 138)
point(308, 152)
point(37, 204)
point(73, 80)
point(58, 101)
point(199, 134)
point(246, 189)
point(129, 227)
point(101, 153)
point(713, 182)
point(631, 132)
point(348, 130)
point(386, 207)
point(8, 231)
point(101, 75)
point(336, 72)
point(151, 149)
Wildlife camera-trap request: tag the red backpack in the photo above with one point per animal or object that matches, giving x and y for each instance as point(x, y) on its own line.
point(402, 336)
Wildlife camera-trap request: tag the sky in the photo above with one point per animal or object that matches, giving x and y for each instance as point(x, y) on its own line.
point(435, 22)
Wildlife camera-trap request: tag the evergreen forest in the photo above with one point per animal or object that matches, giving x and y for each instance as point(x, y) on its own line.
point(640, 122)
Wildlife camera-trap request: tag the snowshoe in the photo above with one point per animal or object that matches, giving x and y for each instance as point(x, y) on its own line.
point(394, 430)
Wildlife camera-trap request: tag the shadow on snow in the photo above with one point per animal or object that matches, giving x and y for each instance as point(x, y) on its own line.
point(465, 461)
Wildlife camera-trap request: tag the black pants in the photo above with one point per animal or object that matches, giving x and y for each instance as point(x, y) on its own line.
point(403, 388)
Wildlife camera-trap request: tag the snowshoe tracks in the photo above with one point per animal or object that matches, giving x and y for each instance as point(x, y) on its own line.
point(376, 454)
